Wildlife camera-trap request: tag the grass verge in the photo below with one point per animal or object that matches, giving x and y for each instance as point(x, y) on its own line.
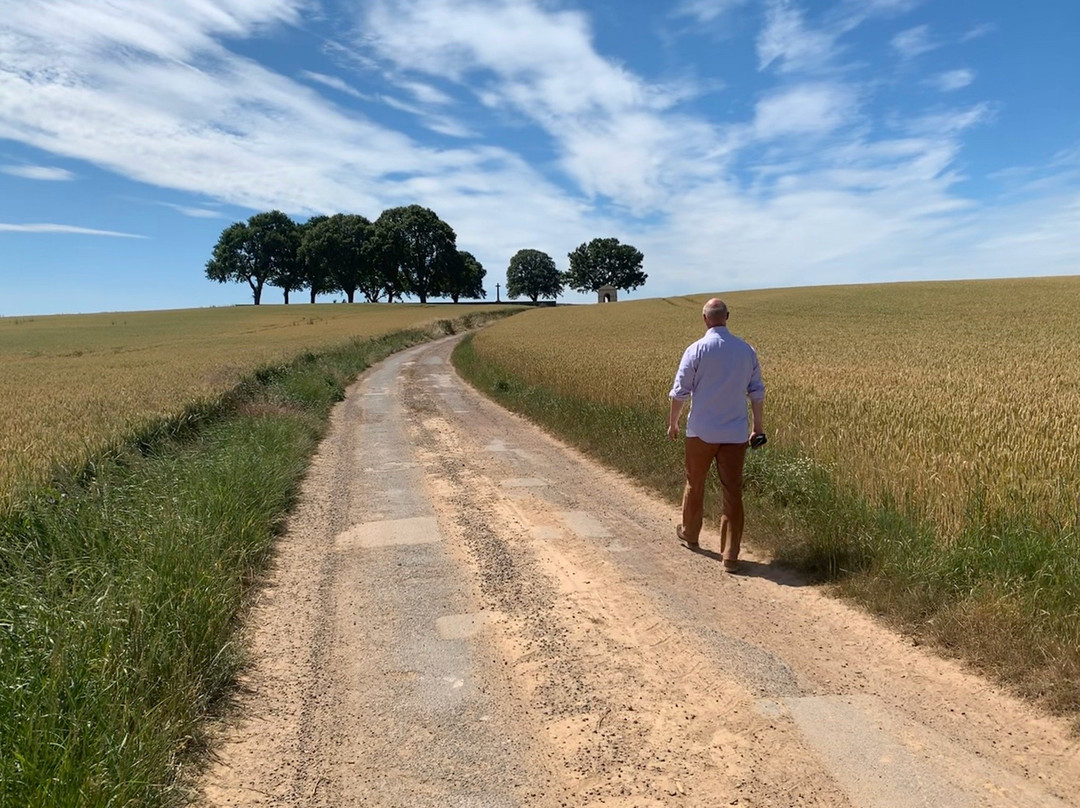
point(121, 584)
point(1001, 593)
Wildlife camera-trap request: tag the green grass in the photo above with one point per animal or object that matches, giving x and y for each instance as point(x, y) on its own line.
point(1003, 593)
point(122, 584)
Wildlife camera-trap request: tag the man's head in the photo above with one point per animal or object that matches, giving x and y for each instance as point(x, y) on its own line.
point(715, 312)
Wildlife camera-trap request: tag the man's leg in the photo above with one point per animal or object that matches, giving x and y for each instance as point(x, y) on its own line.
point(699, 456)
point(729, 463)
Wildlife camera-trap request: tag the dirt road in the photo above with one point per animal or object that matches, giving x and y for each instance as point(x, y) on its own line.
point(465, 612)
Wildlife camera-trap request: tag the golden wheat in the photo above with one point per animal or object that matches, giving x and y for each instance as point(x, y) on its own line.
point(71, 384)
point(934, 395)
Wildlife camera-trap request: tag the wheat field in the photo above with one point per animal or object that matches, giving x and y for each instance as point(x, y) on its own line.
point(72, 384)
point(935, 397)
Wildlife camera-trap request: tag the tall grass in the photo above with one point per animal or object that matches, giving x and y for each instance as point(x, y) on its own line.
point(121, 585)
point(991, 574)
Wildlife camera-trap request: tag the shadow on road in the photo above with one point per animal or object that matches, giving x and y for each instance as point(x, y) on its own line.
point(772, 571)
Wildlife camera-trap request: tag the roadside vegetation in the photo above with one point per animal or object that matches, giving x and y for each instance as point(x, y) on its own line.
point(122, 578)
point(924, 452)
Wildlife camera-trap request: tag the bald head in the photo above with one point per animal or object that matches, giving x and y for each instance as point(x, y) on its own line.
point(715, 312)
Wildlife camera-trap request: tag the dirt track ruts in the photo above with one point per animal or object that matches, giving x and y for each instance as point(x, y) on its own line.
point(465, 612)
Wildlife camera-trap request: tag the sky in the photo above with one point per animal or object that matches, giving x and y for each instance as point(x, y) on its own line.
point(738, 144)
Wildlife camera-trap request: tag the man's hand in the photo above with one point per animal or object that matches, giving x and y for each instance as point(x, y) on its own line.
point(673, 431)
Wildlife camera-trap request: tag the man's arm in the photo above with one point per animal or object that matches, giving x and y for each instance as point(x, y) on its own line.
point(673, 418)
point(758, 410)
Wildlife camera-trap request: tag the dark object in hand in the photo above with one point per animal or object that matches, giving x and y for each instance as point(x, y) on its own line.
point(758, 440)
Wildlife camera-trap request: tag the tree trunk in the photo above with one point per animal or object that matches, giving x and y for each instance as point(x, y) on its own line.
point(286, 296)
point(423, 295)
point(351, 294)
point(455, 297)
point(257, 292)
point(312, 295)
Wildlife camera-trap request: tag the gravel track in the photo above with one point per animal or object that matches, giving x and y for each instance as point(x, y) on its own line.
point(465, 612)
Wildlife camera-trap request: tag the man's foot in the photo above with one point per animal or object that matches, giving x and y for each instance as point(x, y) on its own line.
point(692, 544)
point(731, 565)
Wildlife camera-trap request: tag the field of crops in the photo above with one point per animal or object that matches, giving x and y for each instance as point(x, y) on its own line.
point(935, 395)
point(72, 384)
point(924, 449)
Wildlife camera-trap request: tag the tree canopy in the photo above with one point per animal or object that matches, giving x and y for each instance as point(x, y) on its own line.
point(605, 261)
point(407, 250)
point(466, 278)
point(416, 249)
point(532, 273)
point(336, 253)
point(259, 251)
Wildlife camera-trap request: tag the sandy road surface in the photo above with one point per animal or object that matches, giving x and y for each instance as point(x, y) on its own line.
point(464, 612)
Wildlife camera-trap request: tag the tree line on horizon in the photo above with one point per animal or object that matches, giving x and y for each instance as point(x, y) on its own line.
point(407, 250)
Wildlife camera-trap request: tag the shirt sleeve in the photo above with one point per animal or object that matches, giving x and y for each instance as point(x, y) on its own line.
point(685, 376)
point(755, 390)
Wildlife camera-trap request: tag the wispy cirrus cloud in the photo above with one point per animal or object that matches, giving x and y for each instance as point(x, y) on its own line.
point(789, 43)
point(706, 10)
point(805, 109)
point(67, 229)
point(333, 82)
point(952, 80)
point(913, 42)
point(43, 173)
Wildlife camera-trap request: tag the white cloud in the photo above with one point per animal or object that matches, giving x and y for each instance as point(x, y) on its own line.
point(913, 42)
point(333, 82)
point(193, 212)
point(608, 124)
point(44, 173)
point(806, 109)
point(706, 10)
point(789, 43)
point(952, 80)
point(978, 31)
point(62, 228)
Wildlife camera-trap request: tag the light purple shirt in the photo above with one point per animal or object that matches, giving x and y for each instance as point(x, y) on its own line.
point(720, 372)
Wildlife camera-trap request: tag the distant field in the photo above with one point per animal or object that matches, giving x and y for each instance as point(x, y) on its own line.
point(924, 444)
point(936, 395)
point(74, 383)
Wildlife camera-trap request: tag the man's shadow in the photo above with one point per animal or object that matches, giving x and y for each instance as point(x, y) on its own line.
point(772, 571)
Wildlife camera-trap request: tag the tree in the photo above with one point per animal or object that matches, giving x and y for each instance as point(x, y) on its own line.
point(275, 241)
point(337, 250)
point(532, 273)
point(415, 250)
point(466, 277)
point(605, 261)
point(316, 277)
point(233, 260)
point(259, 251)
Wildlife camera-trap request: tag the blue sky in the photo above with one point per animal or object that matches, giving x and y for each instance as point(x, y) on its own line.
point(737, 143)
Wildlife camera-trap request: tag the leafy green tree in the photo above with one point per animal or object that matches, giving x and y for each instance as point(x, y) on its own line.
point(533, 273)
point(259, 251)
point(233, 260)
point(316, 277)
point(276, 241)
point(605, 261)
point(336, 250)
point(466, 278)
point(415, 250)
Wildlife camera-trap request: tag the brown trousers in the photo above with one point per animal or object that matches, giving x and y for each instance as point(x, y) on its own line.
point(729, 458)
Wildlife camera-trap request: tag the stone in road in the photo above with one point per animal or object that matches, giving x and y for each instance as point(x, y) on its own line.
point(465, 612)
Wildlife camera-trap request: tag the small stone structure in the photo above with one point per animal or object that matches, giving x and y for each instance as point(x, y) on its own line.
point(607, 294)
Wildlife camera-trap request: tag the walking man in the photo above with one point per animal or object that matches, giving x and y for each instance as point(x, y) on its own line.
point(718, 373)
